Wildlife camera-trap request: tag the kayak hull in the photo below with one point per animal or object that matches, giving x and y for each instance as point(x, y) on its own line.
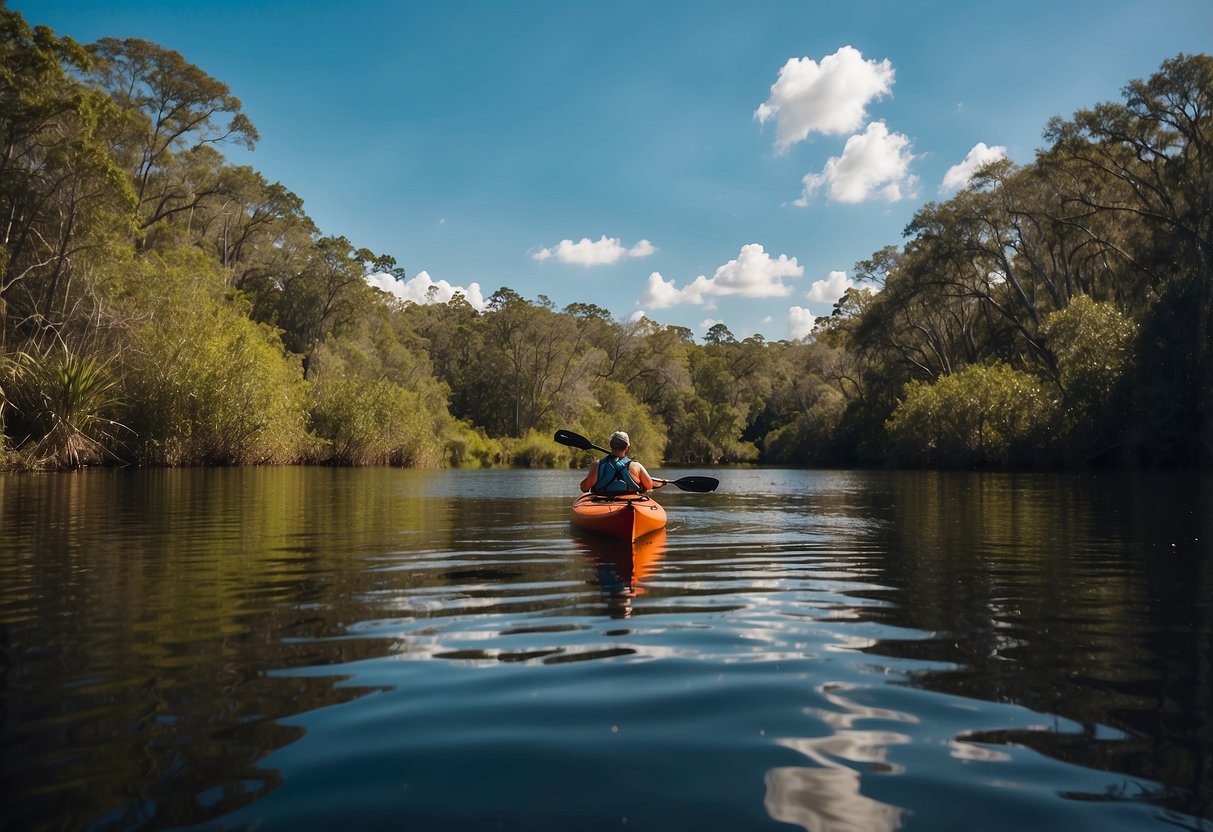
point(623, 518)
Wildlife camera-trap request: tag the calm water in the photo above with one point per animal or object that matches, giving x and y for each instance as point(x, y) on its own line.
point(286, 649)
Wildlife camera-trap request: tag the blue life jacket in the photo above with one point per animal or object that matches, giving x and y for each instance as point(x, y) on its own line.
point(614, 478)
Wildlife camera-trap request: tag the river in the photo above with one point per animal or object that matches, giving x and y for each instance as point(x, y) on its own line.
point(316, 648)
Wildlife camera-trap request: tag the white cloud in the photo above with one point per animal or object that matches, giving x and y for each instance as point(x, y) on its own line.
point(800, 322)
point(830, 97)
point(418, 289)
point(959, 175)
point(754, 274)
point(601, 252)
point(660, 293)
point(874, 163)
point(830, 289)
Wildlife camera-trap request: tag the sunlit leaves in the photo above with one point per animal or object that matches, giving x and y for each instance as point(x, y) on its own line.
point(983, 415)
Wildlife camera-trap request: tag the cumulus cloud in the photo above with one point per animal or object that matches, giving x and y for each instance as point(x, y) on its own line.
point(830, 97)
point(423, 289)
point(873, 164)
point(754, 274)
point(800, 322)
point(587, 252)
point(959, 175)
point(660, 293)
point(830, 289)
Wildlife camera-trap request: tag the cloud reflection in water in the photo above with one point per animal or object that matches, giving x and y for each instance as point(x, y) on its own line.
point(826, 797)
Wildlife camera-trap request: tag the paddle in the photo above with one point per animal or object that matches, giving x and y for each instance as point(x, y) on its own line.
point(701, 485)
point(576, 440)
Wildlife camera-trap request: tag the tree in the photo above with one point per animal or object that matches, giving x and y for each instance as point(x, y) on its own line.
point(652, 362)
point(177, 112)
point(1094, 344)
point(60, 190)
point(1152, 157)
point(327, 294)
point(989, 414)
point(545, 371)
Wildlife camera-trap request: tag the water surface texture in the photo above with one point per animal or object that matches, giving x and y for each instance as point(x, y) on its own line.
point(289, 648)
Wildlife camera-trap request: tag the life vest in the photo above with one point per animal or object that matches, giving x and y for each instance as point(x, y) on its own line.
point(614, 477)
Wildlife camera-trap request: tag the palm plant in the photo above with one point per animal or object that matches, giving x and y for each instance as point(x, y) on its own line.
point(63, 399)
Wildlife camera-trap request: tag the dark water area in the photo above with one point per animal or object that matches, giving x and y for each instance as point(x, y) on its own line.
point(302, 648)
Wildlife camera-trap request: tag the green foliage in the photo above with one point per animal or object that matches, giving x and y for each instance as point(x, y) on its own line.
point(467, 446)
point(615, 408)
point(535, 449)
point(204, 383)
point(64, 402)
point(984, 415)
point(379, 423)
point(11, 366)
point(60, 186)
point(233, 328)
point(374, 398)
point(810, 437)
point(707, 425)
point(326, 296)
point(1094, 346)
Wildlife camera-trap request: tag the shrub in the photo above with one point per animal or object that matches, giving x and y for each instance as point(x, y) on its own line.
point(1094, 345)
point(204, 383)
point(63, 403)
point(536, 449)
point(380, 423)
point(468, 446)
point(984, 415)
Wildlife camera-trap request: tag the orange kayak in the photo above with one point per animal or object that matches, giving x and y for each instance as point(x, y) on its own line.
point(624, 518)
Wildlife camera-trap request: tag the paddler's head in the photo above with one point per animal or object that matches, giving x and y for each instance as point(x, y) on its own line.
point(620, 442)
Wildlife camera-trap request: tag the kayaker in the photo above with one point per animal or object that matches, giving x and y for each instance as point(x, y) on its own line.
point(616, 474)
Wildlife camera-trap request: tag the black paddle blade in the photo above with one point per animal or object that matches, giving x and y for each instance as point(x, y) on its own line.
point(700, 484)
point(573, 440)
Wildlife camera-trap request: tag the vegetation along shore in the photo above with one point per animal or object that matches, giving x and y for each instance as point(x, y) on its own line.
point(162, 306)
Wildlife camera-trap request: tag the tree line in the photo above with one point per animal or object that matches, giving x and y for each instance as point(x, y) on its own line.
point(162, 306)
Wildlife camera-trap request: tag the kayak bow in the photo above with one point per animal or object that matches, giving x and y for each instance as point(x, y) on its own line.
point(624, 518)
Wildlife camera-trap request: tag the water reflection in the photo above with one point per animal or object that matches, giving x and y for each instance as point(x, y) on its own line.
point(826, 797)
point(1090, 598)
point(139, 614)
point(621, 568)
point(178, 647)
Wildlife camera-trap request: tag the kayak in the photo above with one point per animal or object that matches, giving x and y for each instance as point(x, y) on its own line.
point(624, 518)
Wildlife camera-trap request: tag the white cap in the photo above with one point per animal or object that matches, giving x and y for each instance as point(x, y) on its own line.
point(620, 440)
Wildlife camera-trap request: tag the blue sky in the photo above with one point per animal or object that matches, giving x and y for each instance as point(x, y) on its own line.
point(697, 162)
